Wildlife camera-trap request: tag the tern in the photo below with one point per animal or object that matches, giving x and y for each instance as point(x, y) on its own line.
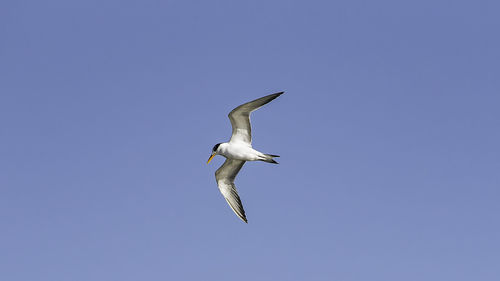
point(239, 150)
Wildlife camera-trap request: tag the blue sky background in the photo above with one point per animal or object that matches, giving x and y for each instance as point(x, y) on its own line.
point(388, 132)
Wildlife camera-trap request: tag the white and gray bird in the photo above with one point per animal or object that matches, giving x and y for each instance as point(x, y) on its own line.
point(239, 150)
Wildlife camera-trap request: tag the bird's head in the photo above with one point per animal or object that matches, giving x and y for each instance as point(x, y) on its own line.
point(214, 152)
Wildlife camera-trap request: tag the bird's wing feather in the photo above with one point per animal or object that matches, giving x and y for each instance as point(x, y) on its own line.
point(240, 118)
point(225, 176)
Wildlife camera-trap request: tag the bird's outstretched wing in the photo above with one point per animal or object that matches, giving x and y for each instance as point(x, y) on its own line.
point(240, 118)
point(225, 176)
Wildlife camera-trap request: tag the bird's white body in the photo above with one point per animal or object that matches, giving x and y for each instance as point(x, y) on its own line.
point(240, 151)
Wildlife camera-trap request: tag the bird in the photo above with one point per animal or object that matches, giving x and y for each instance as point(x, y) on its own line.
point(239, 150)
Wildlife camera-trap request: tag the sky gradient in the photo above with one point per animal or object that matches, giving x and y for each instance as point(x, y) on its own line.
point(388, 134)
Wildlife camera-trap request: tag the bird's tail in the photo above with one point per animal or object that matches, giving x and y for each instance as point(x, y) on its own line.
point(269, 158)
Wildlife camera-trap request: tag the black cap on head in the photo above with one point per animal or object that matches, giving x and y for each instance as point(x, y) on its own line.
point(215, 147)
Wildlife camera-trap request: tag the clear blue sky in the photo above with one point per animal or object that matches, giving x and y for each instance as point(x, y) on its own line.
point(388, 135)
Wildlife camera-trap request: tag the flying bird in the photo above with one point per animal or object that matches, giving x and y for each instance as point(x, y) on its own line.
point(239, 150)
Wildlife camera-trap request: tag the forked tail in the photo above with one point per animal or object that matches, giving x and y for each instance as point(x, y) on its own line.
point(269, 158)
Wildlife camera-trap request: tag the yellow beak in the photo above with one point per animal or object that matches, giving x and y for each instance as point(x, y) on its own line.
point(211, 157)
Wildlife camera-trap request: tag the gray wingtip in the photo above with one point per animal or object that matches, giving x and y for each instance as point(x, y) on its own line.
point(243, 218)
point(273, 96)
